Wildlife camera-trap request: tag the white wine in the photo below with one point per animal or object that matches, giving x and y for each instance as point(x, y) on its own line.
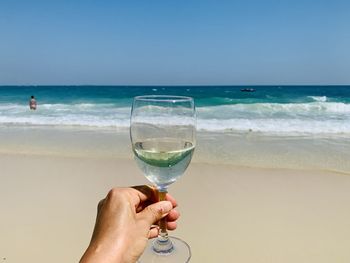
point(163, 160)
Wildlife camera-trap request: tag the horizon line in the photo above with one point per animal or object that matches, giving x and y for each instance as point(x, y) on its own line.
point(165, 85)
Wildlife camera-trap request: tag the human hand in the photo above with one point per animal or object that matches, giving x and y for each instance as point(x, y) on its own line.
point(125, 221)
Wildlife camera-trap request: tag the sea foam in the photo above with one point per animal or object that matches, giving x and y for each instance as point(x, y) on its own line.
point(317, 117)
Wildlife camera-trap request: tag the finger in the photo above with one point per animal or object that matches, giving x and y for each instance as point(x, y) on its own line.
point(145, 192)
point(171, 199)
point(173, 215)
point(153, 232)
point(154, 212)
point(171, 225)
point(154, 199)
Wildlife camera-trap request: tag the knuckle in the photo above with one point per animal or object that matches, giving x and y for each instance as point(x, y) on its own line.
point(119, 193)
point(155, 211)
point(113, 193)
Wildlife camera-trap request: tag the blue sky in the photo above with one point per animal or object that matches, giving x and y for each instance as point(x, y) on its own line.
point(161, 42)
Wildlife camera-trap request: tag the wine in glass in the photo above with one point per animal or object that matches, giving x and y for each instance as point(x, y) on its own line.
point(163, 136)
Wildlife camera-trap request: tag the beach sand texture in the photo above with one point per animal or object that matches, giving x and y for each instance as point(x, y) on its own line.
point(228, 214)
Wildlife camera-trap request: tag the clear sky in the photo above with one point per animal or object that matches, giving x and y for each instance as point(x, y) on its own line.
point(174, 42)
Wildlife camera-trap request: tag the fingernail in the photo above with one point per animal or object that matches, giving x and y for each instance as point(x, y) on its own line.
point(166, 206)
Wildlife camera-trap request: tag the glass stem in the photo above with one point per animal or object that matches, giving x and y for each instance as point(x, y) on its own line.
point(163, 233)
point(162, 245)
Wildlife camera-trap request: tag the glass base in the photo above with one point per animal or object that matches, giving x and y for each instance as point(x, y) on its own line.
point(180, 252)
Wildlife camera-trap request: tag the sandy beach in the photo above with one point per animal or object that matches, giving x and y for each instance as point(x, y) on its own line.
point(228, 213)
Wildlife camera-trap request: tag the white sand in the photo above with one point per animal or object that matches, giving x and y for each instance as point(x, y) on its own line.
point(48, 206)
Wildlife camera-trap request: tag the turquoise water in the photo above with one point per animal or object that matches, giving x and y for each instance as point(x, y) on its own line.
point(297, 110)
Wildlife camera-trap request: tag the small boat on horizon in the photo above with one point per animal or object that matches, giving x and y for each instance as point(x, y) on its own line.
point(248, 90)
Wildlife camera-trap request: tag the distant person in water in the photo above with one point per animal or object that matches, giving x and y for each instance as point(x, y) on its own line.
point(32, 103)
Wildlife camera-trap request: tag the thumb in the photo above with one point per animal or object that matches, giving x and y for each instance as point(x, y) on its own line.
point(154, 212)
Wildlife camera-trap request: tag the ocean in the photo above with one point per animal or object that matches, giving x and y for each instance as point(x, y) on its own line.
point(293, 127)
point(280, 110)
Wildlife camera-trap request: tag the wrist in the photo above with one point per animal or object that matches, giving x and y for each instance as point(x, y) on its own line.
point(99, 253)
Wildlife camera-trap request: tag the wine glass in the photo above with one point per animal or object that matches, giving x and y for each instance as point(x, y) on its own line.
point(163, 137)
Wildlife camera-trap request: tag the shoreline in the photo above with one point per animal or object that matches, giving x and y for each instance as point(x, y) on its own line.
point(249, 149)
